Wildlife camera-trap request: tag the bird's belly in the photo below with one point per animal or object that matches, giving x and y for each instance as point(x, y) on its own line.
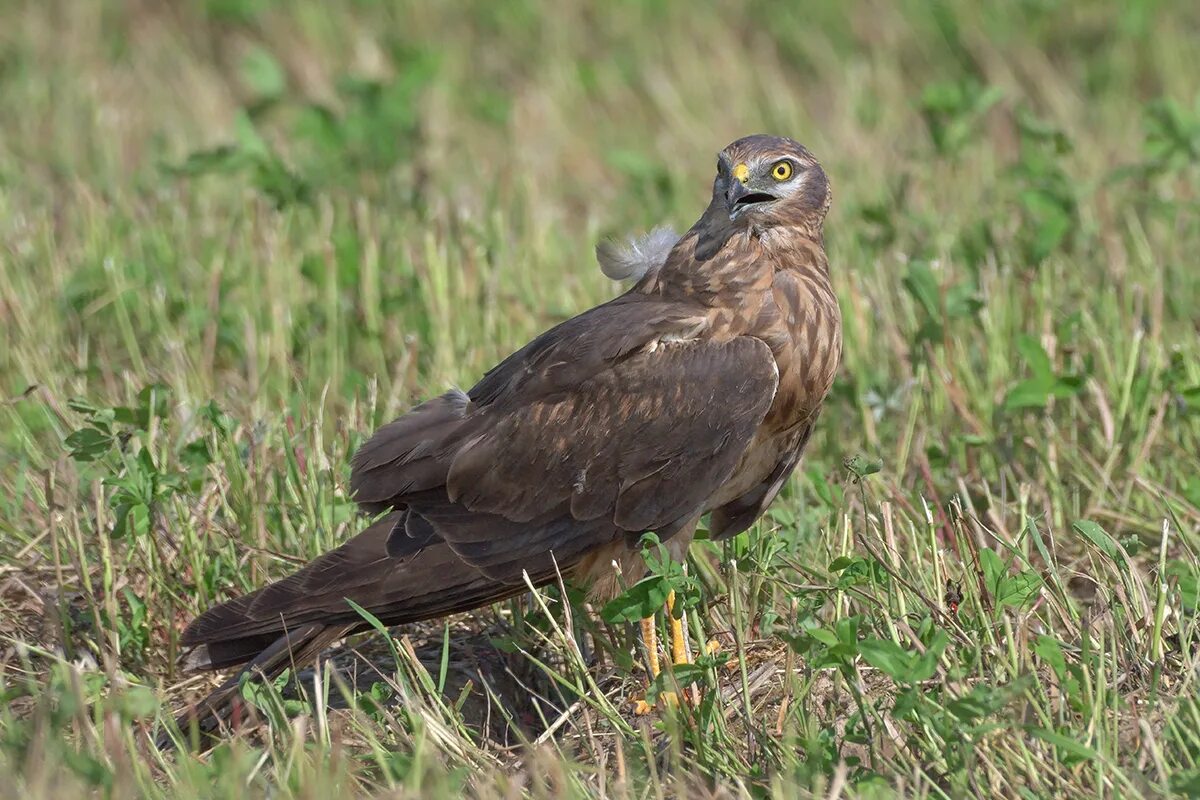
point(759, 460)
point(608, 569)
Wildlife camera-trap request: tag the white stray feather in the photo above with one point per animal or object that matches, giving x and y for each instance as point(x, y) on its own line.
point(638, 256)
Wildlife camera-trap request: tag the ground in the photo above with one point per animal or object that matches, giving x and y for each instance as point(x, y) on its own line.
point(237, 235)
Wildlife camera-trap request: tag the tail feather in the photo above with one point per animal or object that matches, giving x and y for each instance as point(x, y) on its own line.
point(200, 722)
point(293, 620)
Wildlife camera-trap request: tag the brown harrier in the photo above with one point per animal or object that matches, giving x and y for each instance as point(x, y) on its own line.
point(692, 393)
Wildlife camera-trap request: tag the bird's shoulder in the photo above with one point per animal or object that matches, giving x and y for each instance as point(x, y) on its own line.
point(584, 345)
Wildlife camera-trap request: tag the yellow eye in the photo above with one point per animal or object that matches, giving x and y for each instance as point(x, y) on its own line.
point(782, 170)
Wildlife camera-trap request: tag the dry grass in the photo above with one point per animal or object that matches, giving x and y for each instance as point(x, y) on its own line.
point(408, 192)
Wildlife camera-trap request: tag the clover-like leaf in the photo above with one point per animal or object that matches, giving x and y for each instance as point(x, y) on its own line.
point(639, 601)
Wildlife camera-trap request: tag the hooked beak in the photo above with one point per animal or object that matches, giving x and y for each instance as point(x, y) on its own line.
point(738, 196)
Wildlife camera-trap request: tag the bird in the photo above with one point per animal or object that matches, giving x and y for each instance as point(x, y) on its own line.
point(692, 393)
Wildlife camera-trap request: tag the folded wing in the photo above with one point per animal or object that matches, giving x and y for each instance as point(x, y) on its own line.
point(613, 424)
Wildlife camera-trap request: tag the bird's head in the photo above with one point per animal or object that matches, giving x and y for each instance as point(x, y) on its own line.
point(770, 180)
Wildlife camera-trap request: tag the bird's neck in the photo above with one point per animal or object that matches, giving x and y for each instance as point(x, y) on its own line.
point(798, 247)
point(729, 267)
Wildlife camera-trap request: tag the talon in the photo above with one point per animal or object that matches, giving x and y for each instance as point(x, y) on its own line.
point(642, 707)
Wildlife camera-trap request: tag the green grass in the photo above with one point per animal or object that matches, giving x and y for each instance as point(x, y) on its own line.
point(237, 235)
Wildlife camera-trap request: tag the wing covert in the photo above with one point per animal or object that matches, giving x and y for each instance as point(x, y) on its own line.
point(641, 443)
point(617, 422)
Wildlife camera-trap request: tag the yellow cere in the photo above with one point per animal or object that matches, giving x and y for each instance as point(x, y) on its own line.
point(782, 171)
point(741, 172)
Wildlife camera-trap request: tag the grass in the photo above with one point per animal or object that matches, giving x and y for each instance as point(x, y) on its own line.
point(237, 235)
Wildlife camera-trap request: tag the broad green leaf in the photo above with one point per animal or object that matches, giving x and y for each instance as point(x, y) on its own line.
point(1035, 356)
point(841, 562)
point(1050, 651)
point(825, 637)
point(1007, 589)
point(1050, 222)
point(133, 519)
point(1186, 783)
point(1027, 394)
point(88, 444)
point(262, 73)
point(1191, 397)
point(847, 629)
point(888, 657)
point(1105, 543)
point(139, 702)
point(922, 284)
point(993, 569)
point(1189, 583)
point(248, 137)
point(925, 665)
point(1019, 590)
point(981, 701)
point(642, 600)
point(1067, 386)
point(906, 704)
point(800, 643)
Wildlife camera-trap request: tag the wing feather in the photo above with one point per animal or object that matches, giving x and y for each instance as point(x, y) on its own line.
point(617, 422)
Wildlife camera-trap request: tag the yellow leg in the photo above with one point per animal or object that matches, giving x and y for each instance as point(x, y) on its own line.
point(680, 652)
point(650, 640)
point(681, 648)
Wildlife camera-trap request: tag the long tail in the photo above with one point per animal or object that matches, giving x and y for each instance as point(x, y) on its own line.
point(292, 621)
point(216, 711)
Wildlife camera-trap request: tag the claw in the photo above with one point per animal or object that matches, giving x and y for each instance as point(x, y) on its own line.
point(642, 707)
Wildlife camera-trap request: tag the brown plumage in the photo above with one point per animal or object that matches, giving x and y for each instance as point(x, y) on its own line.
point(694, 392)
